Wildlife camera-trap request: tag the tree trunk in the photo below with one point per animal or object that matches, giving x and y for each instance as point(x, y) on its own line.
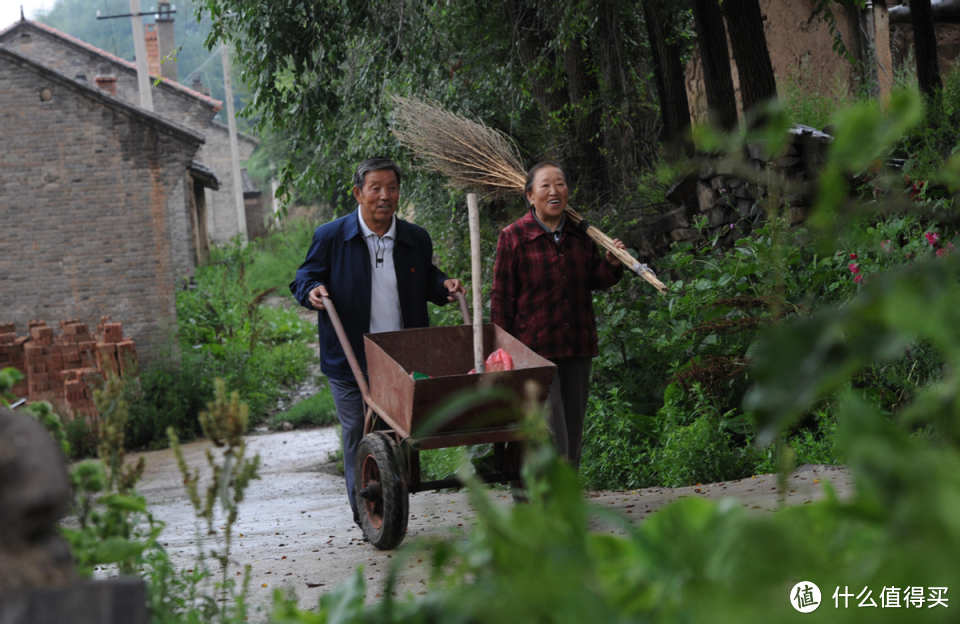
point(925, 44)
point(757, 82)
point(718, 82)
point(586, 118)
point(618, 139)
point(669, 75)
point(528, 33)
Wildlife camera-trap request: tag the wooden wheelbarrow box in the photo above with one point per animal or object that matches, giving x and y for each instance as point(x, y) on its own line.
point(446, 355)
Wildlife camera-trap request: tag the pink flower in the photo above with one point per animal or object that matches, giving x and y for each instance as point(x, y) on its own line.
point(857, 278)
point(853, 256)
point(908, 255)
point(885, 246)
point(854, 267)
point(932, 237)
point(942, 252)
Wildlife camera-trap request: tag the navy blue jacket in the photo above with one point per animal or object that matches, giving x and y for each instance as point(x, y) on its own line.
point(340, 259)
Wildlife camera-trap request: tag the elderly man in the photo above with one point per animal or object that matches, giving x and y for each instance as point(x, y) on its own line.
point(378, 271)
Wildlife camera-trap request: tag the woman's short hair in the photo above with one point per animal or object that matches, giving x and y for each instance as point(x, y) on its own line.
point(377, 163)
point(537, 167)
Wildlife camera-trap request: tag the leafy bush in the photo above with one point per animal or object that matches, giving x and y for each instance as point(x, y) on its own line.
point(225, 330)
point(654, 350)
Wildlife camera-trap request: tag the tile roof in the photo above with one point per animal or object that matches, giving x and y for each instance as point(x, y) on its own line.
point(206, 99)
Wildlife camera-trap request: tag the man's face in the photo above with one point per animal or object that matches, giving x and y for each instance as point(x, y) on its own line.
point(378, 199)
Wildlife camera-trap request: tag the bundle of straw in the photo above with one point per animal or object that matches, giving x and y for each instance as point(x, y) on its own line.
point(477, 158)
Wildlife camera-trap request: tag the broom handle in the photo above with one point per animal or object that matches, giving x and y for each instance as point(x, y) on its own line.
point(474, 214)
point(607, 243)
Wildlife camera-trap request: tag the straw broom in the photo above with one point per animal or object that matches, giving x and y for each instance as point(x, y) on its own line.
point(477, 158)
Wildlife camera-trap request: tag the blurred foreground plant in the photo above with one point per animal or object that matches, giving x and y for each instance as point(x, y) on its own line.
point(224, 423)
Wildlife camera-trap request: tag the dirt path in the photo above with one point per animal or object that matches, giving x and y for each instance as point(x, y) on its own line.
point(296, 530)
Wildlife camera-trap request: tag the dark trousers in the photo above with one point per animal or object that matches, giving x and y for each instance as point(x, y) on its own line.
point(567, 401)
point(350, 409)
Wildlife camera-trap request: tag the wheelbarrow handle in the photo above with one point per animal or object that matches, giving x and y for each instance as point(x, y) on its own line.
point(347, 348)
point(464, 308)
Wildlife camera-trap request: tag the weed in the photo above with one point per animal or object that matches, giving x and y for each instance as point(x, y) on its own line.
point(224, 423)
point(316, 411)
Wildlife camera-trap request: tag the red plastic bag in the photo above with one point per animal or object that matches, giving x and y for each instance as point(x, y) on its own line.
point(499, 360)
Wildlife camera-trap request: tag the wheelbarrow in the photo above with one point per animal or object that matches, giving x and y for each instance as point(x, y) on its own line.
point(387, 466)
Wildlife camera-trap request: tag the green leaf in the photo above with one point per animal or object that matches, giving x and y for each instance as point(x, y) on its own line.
point(116, 549)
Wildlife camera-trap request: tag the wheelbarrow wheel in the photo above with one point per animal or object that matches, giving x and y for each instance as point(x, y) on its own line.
point(381, 491)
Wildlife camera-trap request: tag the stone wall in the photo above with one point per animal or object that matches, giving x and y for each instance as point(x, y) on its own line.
point(95, 219)
point(732, 195)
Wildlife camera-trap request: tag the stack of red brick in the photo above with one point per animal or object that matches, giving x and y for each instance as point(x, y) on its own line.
point(64, 368)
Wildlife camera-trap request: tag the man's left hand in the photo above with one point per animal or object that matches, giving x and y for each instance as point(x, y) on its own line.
point(612, 259)
point(454, 286)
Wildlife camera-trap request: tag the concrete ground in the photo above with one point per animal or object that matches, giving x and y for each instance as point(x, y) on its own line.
point(296, 531)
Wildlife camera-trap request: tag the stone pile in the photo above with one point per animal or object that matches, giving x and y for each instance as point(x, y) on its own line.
point(63, 368)
point(732, 196)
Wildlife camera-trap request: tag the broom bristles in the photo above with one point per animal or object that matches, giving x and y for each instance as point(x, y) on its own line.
point(475, 157)
point(471, 155)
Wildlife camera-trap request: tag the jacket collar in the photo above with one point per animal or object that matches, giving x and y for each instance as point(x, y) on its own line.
point(532, 229)
point(351, 228)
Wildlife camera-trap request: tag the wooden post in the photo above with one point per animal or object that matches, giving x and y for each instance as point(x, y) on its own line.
point(476, 277)
point(881, 39)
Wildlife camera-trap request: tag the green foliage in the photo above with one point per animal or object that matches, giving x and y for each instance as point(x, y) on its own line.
point(41, 410)
point(665, 362)
point(115, 526)
point(810, 100)
point(226, 328)
point(316, 411)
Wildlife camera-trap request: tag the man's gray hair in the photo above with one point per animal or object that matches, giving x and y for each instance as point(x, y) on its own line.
point(377, 163)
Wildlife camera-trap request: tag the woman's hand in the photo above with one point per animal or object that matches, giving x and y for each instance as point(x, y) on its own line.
point(612, 259)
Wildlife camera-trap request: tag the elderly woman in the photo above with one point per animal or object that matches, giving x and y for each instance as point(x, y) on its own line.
point(544, 273)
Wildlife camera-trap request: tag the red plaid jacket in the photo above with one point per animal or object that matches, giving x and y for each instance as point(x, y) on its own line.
point(541, 289)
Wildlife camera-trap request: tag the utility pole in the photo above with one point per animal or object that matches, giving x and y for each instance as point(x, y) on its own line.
point(234, 146)
point(140, 46)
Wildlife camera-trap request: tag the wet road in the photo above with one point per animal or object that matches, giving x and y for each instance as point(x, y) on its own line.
point(295, 529)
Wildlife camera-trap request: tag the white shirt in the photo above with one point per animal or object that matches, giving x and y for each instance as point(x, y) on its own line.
point(384, 295)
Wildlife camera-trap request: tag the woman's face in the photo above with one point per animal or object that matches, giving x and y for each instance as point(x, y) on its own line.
point(549, 194)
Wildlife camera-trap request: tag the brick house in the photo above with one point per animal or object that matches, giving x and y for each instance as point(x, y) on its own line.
point(180, 104)
point(95, 204)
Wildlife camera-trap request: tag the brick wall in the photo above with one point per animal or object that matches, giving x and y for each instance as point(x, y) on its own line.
point(95, 217)
point(168, 100)
point(221, 205)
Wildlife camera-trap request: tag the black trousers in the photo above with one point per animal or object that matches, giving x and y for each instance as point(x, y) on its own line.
point(567, 403)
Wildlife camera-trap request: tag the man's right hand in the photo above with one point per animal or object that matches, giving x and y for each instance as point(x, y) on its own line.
point(315, 294)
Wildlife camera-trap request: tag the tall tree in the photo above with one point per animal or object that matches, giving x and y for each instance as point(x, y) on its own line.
point(618, 136)
point(757, 82)
point(925, 44)
point(669, 75)
point(717, 78)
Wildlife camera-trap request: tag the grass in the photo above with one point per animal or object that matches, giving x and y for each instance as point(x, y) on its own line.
point(317, 411)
